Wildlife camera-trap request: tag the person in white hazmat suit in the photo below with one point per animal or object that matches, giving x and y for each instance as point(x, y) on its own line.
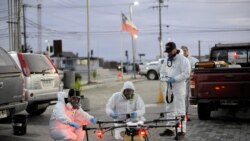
point(174, 71)
point(68, 118)
point(123, 103)
point(192, 62)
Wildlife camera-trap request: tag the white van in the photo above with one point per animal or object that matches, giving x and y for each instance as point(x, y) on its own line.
point(41, 79)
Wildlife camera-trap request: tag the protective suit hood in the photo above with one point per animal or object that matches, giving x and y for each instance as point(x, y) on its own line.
point(128, 85)
point(181, 51)
point(61, 96)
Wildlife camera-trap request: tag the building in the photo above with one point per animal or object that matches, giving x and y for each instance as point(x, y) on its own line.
point(71, 61)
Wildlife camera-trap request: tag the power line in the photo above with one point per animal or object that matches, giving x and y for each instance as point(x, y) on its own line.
point(204, 27)
point(153, 32)
point(211, 2)
point(143, 31)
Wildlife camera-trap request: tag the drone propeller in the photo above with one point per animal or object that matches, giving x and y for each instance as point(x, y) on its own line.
point(161, 114)
point(142, 129)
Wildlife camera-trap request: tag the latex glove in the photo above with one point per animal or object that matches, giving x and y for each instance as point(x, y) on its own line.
point(74, 124)
point(93, 120)
point(170, 80)
point(114, 115)
point(133, 115)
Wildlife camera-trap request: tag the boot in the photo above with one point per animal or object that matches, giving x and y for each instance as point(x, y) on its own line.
point(180, 136)
point(167, 132)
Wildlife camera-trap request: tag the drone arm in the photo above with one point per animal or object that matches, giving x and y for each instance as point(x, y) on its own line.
point(84, 117)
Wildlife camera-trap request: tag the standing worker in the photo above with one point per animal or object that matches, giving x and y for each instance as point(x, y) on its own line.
point(192, 62)
point(125, 102)
point(174, 71)
point(191, 59)
point(68, 118)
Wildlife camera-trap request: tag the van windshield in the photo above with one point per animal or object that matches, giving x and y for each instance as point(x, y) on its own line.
point(39, 64)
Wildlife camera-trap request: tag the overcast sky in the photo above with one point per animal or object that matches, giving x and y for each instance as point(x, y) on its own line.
point(210, 21)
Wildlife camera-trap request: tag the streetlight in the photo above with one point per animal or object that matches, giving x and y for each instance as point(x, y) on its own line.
point(140, 55)
point(135, 3)
point(133, 38)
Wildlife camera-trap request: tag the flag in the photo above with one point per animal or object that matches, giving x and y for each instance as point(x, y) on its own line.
point(128, 26)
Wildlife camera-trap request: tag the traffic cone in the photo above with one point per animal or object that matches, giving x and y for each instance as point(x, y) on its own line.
point(119, 76)
point(160, 95)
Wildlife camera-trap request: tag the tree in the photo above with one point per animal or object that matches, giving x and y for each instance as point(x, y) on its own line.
point(77, 84)
point(94, 74)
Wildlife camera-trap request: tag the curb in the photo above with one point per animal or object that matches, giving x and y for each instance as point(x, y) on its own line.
point(112, 83)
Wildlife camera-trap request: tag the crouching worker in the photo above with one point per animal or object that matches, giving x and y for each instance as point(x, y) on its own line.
point(68, 118)
point(125, 102)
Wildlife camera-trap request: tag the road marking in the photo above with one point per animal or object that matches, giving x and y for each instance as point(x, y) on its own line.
point(153, 105)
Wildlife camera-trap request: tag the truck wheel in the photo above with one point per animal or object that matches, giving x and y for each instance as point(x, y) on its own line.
point(203, 111)
point(33, 110)
point(152, 75)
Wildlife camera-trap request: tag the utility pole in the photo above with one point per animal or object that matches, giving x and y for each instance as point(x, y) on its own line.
point(160, 94)
point(14, 12)
point(160, 30)
point(88, 40)
point(199, 49)
point(15, 25)
point(39, 27)
point(19, 9)
point(160, 25)
point(24, 28)
point(11, 25)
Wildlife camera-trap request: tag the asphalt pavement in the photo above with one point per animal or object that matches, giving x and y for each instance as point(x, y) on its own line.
point(225, 125)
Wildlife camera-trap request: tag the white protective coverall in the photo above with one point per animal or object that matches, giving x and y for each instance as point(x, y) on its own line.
point(192, 62)
point(180, 71)
point(64, 113)
point(118, 103)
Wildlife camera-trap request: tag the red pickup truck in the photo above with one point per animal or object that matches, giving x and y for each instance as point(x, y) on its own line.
point(223, 81)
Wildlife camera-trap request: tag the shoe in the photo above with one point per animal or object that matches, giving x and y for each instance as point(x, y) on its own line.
point(180, 136)
point(167, 132)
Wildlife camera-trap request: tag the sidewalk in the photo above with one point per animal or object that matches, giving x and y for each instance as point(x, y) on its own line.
point(110, 79)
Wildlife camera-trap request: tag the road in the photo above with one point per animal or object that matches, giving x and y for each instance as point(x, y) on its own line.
point(225, 125)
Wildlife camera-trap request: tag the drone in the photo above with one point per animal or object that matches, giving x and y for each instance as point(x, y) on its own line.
point(134, 129)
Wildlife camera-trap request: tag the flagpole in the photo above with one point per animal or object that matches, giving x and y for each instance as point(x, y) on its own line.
point(133, 41)
point(121, 36)
point(128, 26)
point(122, 54)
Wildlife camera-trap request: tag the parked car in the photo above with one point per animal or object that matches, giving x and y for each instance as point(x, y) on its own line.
point(42, 81)
point(11, 87)
point(151, 69)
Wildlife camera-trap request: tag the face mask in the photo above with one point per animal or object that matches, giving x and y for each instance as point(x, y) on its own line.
point(170, 59)
point(171, 56)
point(74, 101)
point(128, 94)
